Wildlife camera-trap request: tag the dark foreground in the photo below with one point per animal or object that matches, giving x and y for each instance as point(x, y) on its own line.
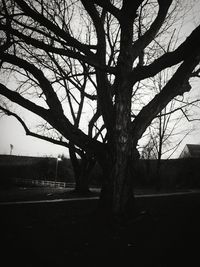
point(66, 234)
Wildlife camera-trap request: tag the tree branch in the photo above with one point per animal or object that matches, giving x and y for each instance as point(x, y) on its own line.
point(25, 103)
point(51, 97)
point(38, 136)
point(92, 122)
point(177, 109)
point(177, 85)
point(58, 121)
point(54, 28)
point(109, 7)
point(103, 88)
point(50, 48)
point(149, 35)
point(191, 44)
point(187, 117)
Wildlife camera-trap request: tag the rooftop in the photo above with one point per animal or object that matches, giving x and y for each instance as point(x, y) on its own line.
point(194, 150)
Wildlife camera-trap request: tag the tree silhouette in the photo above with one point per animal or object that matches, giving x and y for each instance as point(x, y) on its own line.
point(112, 47)
point(11, 149)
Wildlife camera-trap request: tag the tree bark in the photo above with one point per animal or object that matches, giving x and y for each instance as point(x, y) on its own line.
point(117, 192)
point(117, 202)
point(82, 168)
point(82, 182)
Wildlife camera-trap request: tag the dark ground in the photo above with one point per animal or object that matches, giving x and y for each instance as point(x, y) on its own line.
point(66, 234)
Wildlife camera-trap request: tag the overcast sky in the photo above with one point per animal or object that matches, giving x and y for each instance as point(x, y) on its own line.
point(11, 132)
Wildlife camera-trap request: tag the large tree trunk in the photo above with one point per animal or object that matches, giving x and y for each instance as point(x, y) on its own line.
point(158, 175)
point(158, 163)
point(118, 187)
point(82, 168)
point(117, 195)
point(123, 195)
point(82, 181)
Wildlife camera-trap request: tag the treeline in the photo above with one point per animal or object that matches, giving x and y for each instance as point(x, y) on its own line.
point(173, 173)
point(40, 168)
point(183, 173)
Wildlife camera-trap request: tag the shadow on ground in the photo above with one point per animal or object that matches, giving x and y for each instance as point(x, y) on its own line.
point(68, 234)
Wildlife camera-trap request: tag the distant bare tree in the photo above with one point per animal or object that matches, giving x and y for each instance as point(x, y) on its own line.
point(167, 131)
point(11, 149)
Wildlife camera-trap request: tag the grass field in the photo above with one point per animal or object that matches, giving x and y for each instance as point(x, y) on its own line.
point(27, 192)
point(23, 193)
point(69, 233)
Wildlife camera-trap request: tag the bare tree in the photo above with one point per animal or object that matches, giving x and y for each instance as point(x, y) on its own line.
point(108, 38)
point(11, 149)
point(168, 130)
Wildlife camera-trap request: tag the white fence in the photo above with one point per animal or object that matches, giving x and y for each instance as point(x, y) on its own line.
point(42, 182)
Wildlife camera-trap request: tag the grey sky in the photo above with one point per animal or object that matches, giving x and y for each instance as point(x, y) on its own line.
point(13, 133)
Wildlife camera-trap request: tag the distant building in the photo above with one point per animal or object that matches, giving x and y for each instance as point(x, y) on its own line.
point(190, 151)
